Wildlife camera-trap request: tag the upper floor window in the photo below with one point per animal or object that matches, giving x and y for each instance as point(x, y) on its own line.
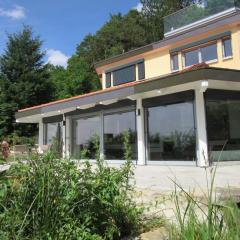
point(174, 62)
point(125, 74)
point(191, 57)
point(203, 54)
point(227, 47)
point(141, 71)
point(108, 79)
point(209, 53)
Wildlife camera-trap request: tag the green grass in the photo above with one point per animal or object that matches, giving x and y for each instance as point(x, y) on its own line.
point(51, 198)
point(209, 220)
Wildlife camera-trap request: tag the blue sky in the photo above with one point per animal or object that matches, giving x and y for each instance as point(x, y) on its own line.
point(61, 24)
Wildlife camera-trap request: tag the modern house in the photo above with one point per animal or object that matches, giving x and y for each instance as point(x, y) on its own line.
point(179, 98)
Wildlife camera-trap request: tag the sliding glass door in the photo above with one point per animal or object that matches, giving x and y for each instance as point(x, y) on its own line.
point(171, 131)
point(115, 126)
point(223, 119)
point(86, 132)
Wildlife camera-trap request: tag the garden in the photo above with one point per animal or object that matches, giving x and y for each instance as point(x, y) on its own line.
point(47, 197)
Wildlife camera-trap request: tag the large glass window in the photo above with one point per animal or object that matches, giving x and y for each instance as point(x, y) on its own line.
point(86, 132)
point(209, 53)
point(223, 118)
point(171, 132)
point(202, 54)
point(53, 132)
point(115, 125)
point(191, 58)
point(124, 75)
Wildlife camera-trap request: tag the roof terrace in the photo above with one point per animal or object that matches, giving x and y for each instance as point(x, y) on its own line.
point(198, 14)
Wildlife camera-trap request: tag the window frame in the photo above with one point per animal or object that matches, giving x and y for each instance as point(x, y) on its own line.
point(134, 64)
point(120, 69)
point(101, 113)
point(146, 130)
point(46, 133)
point(223, 48)
point(200, 59)
point(171, 62)
point(79, 117)
point(119, 111)
point(110, 79)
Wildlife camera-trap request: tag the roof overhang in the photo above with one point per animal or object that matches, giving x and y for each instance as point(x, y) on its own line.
point(207, 78)
point(232, 19)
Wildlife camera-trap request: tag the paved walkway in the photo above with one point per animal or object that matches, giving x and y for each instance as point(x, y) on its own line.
point(189, 177)
point(162, 177)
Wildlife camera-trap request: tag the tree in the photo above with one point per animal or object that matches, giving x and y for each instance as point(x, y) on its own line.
point(155, 10)
point(24, 80)
point(120, 34)
point(77, 79)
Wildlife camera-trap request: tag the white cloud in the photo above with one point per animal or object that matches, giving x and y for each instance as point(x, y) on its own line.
point(139, 7)
point(56, 58)
point(17, 12)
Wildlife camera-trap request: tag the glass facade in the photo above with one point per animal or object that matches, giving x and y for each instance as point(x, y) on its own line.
point(171, 132)
point(86, 132)
point(53, 131)
point(115, 125)
point(223, 118)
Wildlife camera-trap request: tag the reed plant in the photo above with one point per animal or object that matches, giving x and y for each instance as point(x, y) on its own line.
point(207, 219)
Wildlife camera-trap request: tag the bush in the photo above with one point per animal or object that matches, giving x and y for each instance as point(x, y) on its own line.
point(49, 198)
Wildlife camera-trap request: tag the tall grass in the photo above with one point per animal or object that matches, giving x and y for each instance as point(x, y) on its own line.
point(51, 198)
point(209, 220)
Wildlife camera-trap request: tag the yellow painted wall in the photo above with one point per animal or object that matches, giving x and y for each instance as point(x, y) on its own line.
point(157, 62)
point(234, 62)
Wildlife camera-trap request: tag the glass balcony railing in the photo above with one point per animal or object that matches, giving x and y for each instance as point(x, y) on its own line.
point(198, 12)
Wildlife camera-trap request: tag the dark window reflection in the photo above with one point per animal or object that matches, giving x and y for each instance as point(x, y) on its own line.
point(124, 75)
point(114, 127)
point(53, 132)
point(223, 118)
point(171, 132)
point(86, 132)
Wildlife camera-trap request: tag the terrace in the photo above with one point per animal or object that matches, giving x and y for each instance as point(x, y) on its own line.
point(199, 14)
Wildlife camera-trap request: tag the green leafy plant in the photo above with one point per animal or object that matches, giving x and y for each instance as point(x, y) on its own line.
point(50, 198)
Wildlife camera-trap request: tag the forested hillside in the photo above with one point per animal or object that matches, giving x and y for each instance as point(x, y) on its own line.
point(26, 81)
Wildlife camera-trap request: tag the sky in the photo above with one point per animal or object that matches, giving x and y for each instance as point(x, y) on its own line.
point(61, 24)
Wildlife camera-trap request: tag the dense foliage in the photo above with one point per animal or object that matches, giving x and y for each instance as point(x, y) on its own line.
point(24, 80)
point(50, 198)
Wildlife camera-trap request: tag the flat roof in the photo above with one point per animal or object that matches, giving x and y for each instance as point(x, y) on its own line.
point(195, 73)
point(171, 39)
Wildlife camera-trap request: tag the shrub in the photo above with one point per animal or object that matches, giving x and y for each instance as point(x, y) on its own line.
point(49, 198)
